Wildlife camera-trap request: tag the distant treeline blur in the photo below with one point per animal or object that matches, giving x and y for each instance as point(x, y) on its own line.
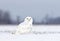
point(5, 18)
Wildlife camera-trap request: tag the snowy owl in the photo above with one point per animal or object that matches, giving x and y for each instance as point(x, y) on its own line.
point(25, 27)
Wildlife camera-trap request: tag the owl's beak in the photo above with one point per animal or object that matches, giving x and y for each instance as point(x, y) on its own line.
point(28, 19)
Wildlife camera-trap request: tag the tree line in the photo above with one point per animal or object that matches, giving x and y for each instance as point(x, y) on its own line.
point(5, 18)
point(49, 21)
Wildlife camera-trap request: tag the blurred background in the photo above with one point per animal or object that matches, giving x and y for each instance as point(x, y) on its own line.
point(42, 11)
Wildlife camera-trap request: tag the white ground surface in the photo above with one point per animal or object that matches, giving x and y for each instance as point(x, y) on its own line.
point(39, 33)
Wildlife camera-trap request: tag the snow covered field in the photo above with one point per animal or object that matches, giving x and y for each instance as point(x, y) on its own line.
point(39, 33)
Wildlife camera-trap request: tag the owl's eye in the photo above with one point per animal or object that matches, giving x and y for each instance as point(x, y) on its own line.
point(30, 18)
point(27, 18)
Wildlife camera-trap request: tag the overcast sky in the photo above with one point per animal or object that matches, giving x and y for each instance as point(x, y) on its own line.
point(35, 8)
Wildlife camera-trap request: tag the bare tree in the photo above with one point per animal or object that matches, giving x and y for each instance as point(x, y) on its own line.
point(6, 17)
point(18, 19)
point(1, 12)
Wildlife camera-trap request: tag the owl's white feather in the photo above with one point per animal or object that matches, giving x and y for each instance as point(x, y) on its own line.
point(25, 27)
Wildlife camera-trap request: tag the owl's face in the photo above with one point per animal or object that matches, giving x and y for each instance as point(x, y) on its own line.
point(28, 19)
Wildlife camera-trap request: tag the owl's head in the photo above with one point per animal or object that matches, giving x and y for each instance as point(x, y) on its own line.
point(28, 19)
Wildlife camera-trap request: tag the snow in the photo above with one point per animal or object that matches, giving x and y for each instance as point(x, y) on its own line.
point(44, 33)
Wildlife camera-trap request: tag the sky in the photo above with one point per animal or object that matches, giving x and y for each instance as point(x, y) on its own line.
point(37, 9)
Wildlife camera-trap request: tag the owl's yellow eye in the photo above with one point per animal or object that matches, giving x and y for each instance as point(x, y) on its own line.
point(30, 18)
point(27, 18)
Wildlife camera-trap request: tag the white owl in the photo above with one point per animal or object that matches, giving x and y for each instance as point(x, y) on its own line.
point(25, 27)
